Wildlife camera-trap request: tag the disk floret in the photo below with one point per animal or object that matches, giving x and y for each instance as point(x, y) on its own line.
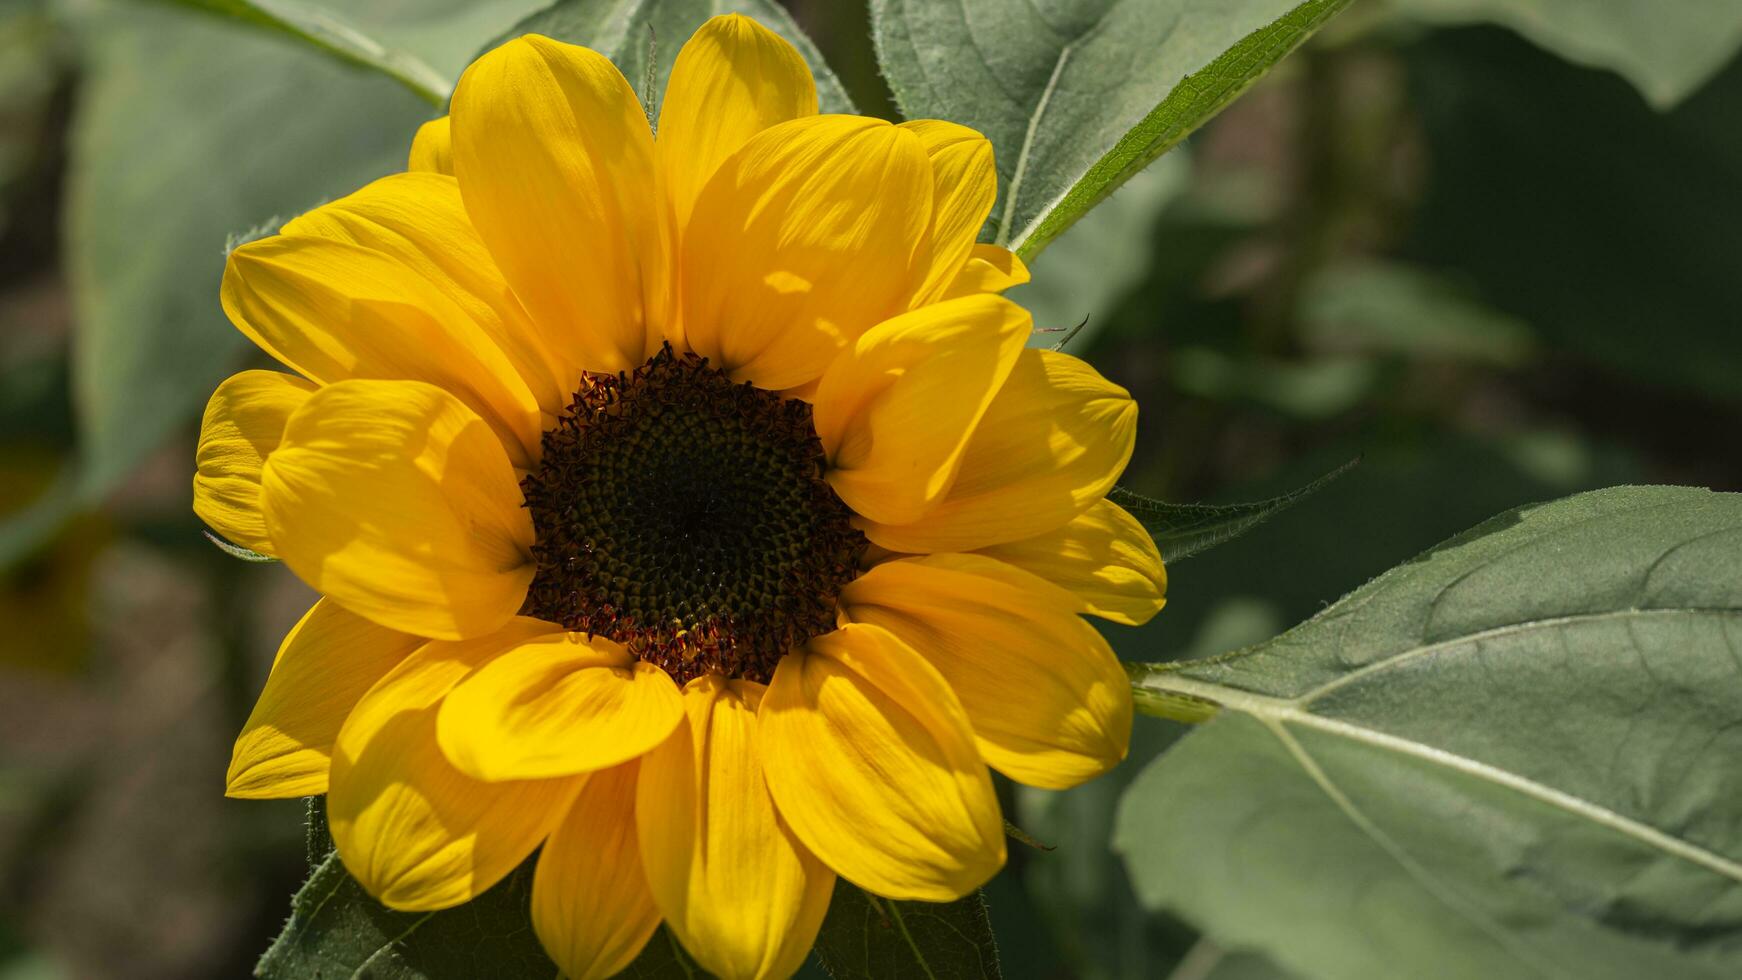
point(687, 518)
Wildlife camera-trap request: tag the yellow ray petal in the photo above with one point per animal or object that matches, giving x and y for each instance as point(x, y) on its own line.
point(432, 149)
point(392, 498)
point(417, 833)
point(557, 705)
point(989, 269)
point(1049, 702)
point(334, 311)
point(872, 762)
point(736, 887)
point(965, 183)
point(1052, 444)
point(555, 162)
point(733, 79)
point(807, 236)
point(326, 663)
point(896, 411)
point(419, 221)
point(590, 904)
point(1103, 556)
point(242, 426)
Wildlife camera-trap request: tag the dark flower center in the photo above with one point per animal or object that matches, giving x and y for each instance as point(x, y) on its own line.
point(687, 518)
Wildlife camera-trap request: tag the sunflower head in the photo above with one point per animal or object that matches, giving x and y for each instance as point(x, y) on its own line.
point(687, 517)
point(687, 509)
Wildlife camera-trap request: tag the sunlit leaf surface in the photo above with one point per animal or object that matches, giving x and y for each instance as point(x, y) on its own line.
point(1079, 96)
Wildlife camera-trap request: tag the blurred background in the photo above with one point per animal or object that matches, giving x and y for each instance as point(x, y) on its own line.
point(1492, 248)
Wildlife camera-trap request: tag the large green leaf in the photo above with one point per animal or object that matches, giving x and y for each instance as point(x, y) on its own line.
point(633, 32)
point(1667, 50)
point(1411, 492)
point(1512, 756)
point(337, 930)
point(1078, 96)
point(326, 31)
point(868, 938)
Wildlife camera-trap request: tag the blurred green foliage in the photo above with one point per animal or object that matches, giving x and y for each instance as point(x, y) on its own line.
point(1500, 267)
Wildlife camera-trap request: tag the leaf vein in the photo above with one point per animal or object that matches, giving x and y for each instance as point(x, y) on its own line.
point(1511, 629)
point(1271, 709)
point(1415, 869)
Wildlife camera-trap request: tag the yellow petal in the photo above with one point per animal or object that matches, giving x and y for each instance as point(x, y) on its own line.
point(557, 705)
point(242, 426)
point(1103, 556)
point(334, 311)
point(1052, 444)
point(419, 221)
point(590, 903)
point(417, 833)
point(1049, 702)
point(733, 79)
point(872, 762)
point(432, 149)
point(896, 411)
point(989, 269)
point(555, 162)
point(326, 663)
point(806, 237)
point(736, 887)
point(965, 183)
point(392, 498)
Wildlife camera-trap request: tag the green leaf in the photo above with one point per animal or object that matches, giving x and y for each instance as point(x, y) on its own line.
point(337, 930)
point(1512, 756)
point(1183, 530)
point(260, 128)
point(625, 32)
point(1079, 96)
point(870, 938)
point(1667, 51)
point(1413, 490)
point(327, 32)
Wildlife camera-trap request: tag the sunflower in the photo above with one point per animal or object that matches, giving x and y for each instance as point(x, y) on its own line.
point(689, 510)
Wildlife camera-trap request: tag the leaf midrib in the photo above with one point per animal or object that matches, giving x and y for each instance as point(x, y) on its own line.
point(1033, 129)
point(1015, 190)
point(1276, 712)
point(1429, 882)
